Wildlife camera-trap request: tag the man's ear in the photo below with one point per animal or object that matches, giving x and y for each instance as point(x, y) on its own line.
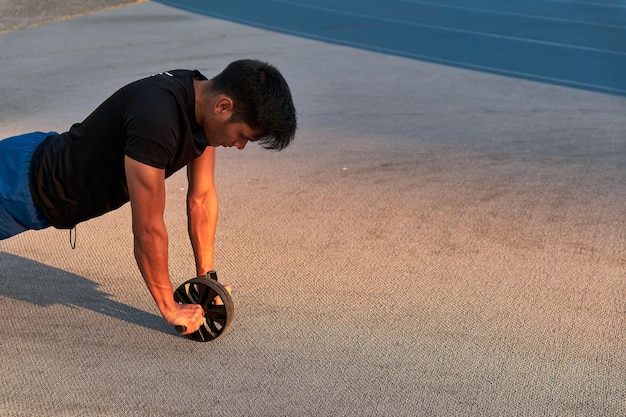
point(224, 106)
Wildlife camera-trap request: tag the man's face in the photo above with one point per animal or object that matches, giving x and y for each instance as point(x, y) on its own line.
point(226, 133)
point(219, 127)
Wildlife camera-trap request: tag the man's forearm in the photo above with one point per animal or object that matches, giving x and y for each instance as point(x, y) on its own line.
point(151, 254)
point(202, 224)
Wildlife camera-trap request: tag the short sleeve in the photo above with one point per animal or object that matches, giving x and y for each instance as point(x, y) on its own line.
point(152, 128)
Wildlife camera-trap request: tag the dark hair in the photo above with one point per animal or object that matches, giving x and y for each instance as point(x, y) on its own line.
point(262, 100)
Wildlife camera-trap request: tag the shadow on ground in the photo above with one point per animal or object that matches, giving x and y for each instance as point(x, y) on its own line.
point(25, 280)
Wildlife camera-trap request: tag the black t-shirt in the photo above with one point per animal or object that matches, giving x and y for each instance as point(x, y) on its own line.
point(80, 174)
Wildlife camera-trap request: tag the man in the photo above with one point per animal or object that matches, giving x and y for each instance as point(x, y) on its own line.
point(125, 149)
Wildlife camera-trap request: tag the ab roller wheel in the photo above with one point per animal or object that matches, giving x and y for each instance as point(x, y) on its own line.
point(218, 312)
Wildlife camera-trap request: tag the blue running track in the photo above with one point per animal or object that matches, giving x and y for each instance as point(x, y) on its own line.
point(575, 43)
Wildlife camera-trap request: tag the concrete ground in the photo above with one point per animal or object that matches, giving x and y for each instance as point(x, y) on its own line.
point(437, 241)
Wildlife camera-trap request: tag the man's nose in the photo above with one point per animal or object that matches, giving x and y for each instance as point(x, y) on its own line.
point(241, 144)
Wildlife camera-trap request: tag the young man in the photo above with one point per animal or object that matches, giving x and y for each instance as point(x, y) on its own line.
point(129, 145)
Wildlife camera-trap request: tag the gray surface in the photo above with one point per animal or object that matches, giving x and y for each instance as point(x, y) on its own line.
point(21, 14)
point(436, 242)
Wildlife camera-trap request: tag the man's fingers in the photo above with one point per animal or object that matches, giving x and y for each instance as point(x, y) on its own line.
point(188, 318)
point(195, 328)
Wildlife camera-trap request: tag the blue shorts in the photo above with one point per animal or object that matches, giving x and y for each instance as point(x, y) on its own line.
point(17, 209)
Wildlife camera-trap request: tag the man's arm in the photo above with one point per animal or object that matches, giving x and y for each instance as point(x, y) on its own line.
point(202, 209)
point(146, 187)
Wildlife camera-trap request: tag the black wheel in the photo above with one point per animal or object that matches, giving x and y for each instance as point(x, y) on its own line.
point(203, 290)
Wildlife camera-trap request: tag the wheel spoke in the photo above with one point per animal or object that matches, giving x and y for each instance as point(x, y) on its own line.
point(215, 312)
point(192, 293)
point(182, 295)
point(205, 295)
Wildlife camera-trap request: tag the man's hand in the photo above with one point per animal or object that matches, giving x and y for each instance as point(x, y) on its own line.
point(188, 316)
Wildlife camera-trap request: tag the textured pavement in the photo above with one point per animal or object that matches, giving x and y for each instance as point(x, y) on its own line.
point(437, 241)
point(17, 15)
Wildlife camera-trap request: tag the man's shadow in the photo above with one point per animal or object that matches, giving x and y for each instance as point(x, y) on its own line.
point(26, 280)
